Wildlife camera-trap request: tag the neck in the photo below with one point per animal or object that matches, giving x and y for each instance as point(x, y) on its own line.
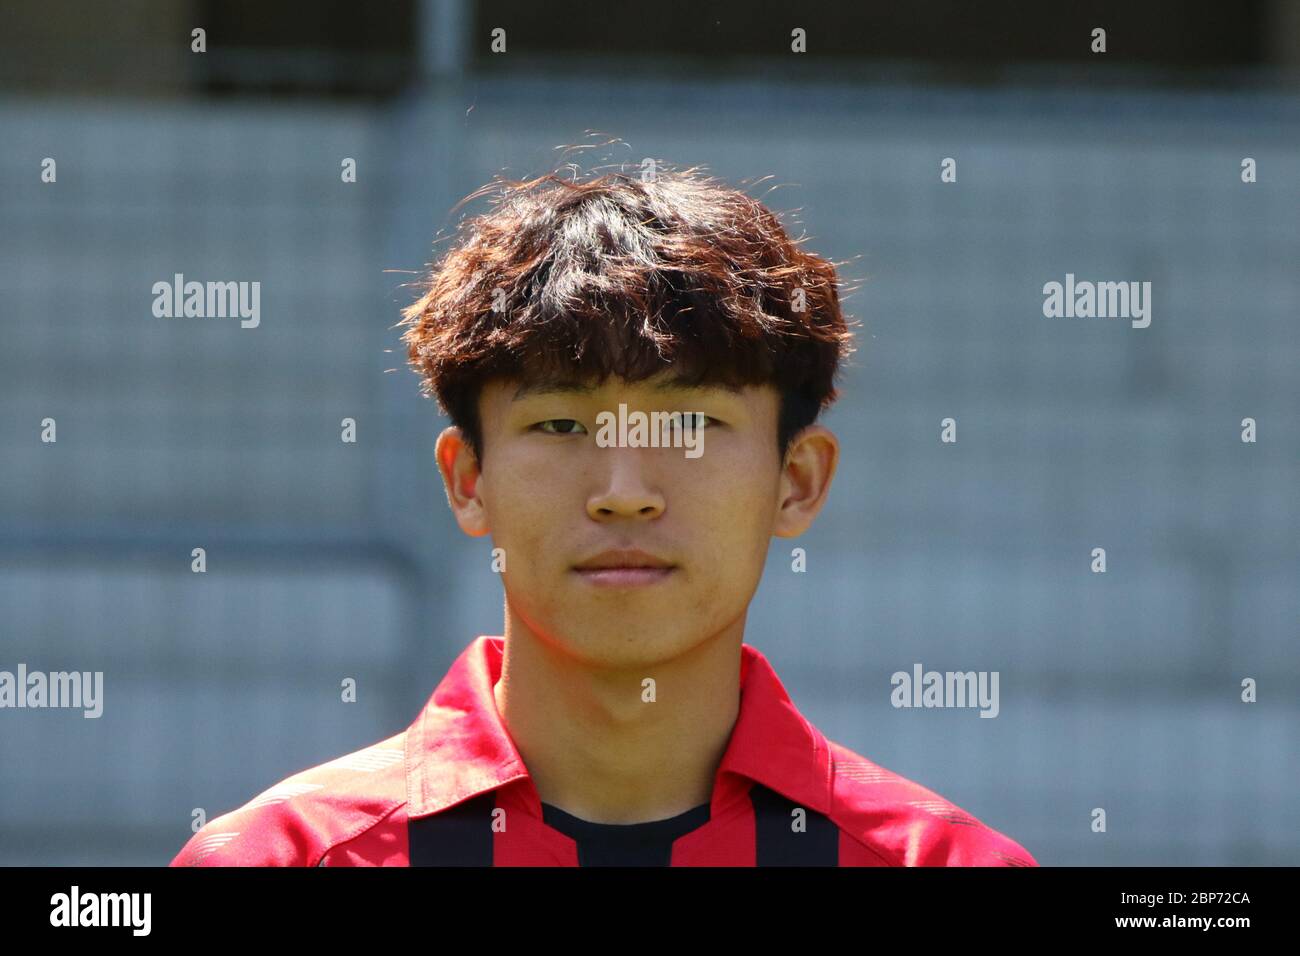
point(595, 748)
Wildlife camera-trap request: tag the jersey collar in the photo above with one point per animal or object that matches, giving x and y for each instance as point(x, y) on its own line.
point(458, 747)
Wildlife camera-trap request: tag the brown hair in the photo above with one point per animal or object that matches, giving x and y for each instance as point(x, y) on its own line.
point(574, 281)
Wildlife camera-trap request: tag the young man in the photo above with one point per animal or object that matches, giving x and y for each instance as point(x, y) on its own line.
point(620, 720)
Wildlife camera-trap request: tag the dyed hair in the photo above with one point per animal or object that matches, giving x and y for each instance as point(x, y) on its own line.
point(573, 281)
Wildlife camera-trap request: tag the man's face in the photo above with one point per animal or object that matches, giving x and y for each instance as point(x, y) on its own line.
point(554, 499)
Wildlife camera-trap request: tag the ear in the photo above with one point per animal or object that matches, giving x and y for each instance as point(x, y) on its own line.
point(460, 476)
point(806, 480)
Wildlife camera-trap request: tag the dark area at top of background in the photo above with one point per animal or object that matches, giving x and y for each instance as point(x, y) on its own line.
point(341, 48)
point(976, 35)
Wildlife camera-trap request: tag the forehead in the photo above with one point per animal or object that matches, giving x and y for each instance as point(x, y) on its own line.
point(659, 384)
point(500, 395)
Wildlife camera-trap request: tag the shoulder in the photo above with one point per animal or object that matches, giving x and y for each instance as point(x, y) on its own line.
point(295, 822)
point(900, 823)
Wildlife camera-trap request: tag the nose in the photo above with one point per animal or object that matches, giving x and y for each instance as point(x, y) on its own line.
point(627, 488)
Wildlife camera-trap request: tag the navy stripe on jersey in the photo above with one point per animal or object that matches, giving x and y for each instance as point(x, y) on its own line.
point(625, 844)
point(776, 841)
point(458, 836)
point(462, 835)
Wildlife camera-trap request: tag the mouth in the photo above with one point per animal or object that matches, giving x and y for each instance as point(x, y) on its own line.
point(624, 568)
point(625, 577)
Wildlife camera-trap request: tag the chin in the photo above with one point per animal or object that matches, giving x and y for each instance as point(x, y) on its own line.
point(621, 646)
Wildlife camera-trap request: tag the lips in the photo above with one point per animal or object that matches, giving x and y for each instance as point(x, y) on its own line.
point(624, 568)
point(623, 558)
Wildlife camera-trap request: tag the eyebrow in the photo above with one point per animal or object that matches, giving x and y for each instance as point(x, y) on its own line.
point(569, 387)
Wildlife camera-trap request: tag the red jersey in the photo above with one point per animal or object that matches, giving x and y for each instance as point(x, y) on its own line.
point(452, 790)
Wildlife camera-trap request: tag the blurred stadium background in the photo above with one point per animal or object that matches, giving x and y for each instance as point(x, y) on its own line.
point(328, 560)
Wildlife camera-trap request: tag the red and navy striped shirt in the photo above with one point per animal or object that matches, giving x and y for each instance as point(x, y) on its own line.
point(452, 790)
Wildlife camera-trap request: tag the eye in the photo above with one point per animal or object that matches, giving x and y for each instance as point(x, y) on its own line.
point(561, 421)
point(704, 420)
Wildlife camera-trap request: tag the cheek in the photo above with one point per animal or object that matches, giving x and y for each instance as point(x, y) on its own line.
point(522, 510)
point(730, 504)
